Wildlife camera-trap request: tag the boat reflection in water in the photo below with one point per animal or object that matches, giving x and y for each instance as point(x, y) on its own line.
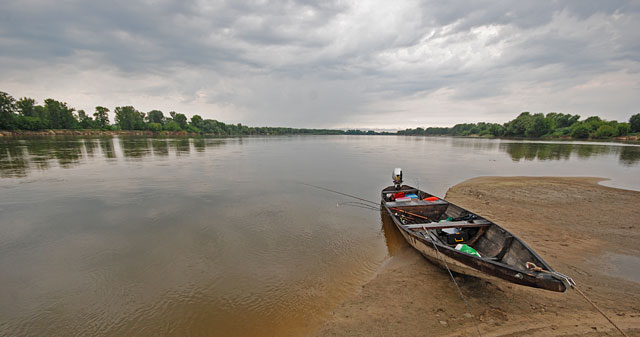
point(393, 238)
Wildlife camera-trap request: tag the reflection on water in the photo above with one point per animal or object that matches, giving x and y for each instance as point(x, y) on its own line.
point(182, 146)
point(199, 144)
point(630, 155)
point(12, 160)
point(627, 155)
point(136, 148)
point(160, 147)
point(393, 238)
point(106, 146)
point(18, 157)
point(90, 147)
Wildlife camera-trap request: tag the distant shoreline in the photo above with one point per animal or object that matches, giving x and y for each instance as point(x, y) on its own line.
point(629, 138)
point(94, 132)
point(29, 118)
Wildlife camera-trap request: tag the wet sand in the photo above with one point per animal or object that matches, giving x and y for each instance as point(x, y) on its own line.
point(579, 227)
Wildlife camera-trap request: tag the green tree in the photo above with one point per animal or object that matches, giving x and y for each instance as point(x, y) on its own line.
point(155, 116)
point(60, 115)
point(28, 123)
point(172, 126)
point(128, 118)
point(196, 121)
point(537, 126)
point(622, 129)
point(7, 111)
point(212, 126)
point(102, 117)
point(604, 131)
point(634, 123)
point(172, 114)
point(593, 122)
point(86, 122)
point(518, 126)
point(181, 119)
point(30, 116)
point(496, 130)
point(560, 120)
point(580, 131)
point(155, 127)
point(192, 129)
point(42, 113)
point(27, 107)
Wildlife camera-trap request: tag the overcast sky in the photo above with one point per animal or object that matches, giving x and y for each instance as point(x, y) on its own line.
point(366, 64)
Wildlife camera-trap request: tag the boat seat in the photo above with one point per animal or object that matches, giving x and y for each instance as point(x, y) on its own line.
point(505, 247)
point(415, 202)
point(450, 224)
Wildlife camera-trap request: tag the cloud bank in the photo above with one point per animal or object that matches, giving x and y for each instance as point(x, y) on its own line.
point(367, 64)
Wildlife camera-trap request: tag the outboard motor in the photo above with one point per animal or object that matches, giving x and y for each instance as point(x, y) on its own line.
point(397, 177)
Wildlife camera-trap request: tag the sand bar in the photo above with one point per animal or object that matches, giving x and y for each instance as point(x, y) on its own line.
point(585, 230)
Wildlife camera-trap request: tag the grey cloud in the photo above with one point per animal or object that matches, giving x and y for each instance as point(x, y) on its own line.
point(323, 64)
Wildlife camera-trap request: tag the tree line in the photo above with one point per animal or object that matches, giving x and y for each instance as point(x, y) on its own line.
point(26, 114)
point(539, 125)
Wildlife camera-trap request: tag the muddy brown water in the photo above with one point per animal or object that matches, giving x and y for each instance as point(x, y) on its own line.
point(195, 236)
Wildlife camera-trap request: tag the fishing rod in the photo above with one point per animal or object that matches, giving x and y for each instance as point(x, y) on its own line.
point(358, 204)
point(369, 201)
point(346, 195)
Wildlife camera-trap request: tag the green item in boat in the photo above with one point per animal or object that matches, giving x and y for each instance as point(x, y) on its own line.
point(467, 249)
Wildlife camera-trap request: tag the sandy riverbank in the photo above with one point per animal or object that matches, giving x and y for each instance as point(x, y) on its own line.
point(576, 225)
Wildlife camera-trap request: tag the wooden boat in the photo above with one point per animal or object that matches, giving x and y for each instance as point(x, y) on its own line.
point(435, 227)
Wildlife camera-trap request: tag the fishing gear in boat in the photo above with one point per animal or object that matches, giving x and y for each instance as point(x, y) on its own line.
point(491, 241)
point(452, 227)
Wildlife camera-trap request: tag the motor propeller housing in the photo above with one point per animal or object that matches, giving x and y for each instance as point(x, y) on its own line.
point(397, 177)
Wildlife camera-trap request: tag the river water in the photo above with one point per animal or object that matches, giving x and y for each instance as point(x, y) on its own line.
point(180, 236)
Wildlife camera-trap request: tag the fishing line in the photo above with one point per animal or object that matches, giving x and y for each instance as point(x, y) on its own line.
point(334, 191)
point(358, 204)
point(365, 200)
point(452, 278)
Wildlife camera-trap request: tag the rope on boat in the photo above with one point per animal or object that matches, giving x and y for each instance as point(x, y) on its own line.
point(568, 281)
point(601, 312)
point(452, 278)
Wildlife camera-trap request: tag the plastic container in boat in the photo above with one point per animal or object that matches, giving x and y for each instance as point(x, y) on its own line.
point(467, 249)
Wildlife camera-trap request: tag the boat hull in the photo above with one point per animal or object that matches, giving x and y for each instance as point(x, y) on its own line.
point(466, 264)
